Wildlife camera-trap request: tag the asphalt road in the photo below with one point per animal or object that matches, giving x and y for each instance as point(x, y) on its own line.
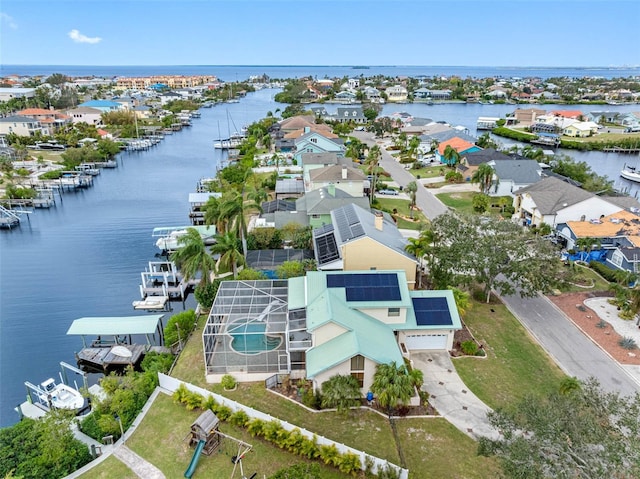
point(425, 200)
point(572, 350)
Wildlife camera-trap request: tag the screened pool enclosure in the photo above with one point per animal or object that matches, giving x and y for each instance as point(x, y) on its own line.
point(250, 332)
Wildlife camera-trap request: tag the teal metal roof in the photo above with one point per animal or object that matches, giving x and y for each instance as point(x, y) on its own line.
point(296, 296)
point(111, 326)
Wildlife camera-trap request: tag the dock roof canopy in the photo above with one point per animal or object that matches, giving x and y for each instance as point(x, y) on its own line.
point(111, 326)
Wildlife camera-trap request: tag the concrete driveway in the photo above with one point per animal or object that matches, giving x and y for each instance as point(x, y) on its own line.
point(449, 395)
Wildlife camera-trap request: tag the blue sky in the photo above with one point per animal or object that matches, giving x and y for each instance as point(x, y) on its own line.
point(310, 32)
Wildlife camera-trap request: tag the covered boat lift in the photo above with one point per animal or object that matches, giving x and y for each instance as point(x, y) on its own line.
point(114, 346)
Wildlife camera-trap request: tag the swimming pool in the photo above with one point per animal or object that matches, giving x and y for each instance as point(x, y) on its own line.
point(250, 338)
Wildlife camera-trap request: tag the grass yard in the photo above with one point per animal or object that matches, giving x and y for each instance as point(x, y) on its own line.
point(434, 448)
point(460, 201)
point(165, 443)
point(429, 171)
point(402, 217)
point(515, 364)
point(190, 365)
point(585, 279)
point(110, 468)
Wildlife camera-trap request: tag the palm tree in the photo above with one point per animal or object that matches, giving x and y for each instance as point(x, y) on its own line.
point(451, 156)
point(414, 144)
point(341, 392)
point(193, 257)
point(484, 177)
point(373, 160)
point(212, 214)
point(392, 385)
point(412, 189)
point(462, 300)
point(418, 248)
point(570, 384)
point(234, 209)
point(230, 256)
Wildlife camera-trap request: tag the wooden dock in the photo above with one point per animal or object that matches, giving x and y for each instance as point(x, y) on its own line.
point(103, 359)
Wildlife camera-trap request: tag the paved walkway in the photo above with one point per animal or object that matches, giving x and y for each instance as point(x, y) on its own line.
point(137, 464)
point(450, 396)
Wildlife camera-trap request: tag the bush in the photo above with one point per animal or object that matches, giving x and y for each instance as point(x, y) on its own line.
point(157, 362)
point(299, 471)
point(228, 382)
point(179, 325)
point(469, 348)
point(205, 293)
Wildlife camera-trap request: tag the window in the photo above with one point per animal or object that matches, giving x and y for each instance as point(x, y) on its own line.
point(616, 258)
point(357, 369)
point(393, 312)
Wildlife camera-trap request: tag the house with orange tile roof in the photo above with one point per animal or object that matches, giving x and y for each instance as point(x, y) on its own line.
point(573, 114)
point(458, 144)
point(50, 120)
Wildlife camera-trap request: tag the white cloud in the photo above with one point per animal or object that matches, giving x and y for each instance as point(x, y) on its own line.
point(8, 20)
point(78, 37)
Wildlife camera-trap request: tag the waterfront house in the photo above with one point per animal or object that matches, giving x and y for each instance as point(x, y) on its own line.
point(169, 96)
point(554, 201)
point(397, 94)
point(314, 142)
point(581, 129)
point(323, 324)
point(353, 114)
point(346, 96)
point(360, 239)
point(319, 203)
point(527, 116)
point(298, 122)
point(85, 114)
point(20, 125)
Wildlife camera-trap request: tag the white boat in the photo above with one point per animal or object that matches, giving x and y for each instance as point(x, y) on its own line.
point(168, 236)
point(227, 144)
point(50, 145)
point(60, 396)
point(630, 173)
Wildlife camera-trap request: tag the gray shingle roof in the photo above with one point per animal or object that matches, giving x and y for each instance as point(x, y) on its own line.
point(518, 171)
point(321, 202)
point(552, 194)
point(476, 158)
point(351, 222)
point(334, 173)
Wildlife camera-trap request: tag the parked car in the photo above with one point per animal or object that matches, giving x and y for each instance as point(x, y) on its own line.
point(388, 192)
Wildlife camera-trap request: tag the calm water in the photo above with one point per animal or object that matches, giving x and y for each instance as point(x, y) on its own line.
point(243, 72)
point(84, 256)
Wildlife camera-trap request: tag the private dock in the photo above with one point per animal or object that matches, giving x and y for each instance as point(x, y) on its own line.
point(114, 347)
point(162, 278)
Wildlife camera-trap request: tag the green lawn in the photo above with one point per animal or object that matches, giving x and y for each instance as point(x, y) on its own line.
point(110, 468)
point(460, 201)
point(165, 444)
point(429, 171)
point(402, 216)
point(434, 448)
point(190, 366)
point(515, 363)
point(585, 276)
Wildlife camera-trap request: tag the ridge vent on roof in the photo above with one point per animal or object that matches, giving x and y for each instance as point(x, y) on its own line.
point(615, 220)
point(595, 221)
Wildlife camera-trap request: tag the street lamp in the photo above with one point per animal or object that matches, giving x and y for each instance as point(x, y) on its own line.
point(121, 428)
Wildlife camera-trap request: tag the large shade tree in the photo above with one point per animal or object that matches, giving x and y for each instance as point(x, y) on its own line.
point(577, 433)
point(497, 254)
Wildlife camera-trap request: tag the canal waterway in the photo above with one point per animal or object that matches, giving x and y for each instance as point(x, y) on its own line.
point(84, 256)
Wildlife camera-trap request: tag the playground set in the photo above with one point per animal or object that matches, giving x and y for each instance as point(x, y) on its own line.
point(205, 435)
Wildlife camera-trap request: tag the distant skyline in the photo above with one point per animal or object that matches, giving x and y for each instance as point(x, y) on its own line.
point(510, 33)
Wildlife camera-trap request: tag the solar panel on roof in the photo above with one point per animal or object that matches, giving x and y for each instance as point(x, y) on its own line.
point(432, 312)
point(367, 286)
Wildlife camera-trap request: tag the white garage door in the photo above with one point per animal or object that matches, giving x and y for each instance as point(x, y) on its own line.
point(426, 341)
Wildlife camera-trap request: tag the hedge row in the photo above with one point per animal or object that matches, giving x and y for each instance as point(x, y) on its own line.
point(293, 441)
